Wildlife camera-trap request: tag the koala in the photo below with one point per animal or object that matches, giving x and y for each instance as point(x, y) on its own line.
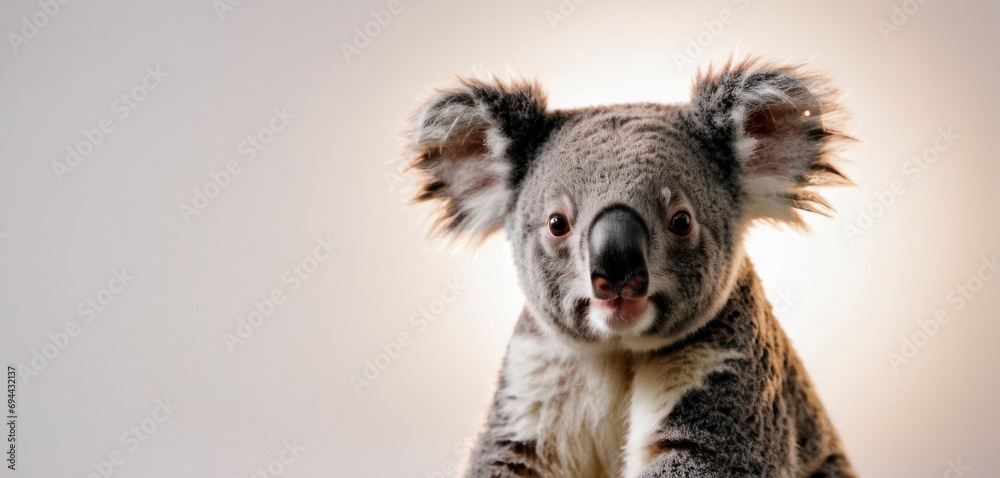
point(646, 346)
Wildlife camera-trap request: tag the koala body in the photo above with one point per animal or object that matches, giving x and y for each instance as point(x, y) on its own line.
point(646, 347)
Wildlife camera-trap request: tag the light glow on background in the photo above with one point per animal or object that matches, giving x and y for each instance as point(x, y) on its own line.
point(847, 301)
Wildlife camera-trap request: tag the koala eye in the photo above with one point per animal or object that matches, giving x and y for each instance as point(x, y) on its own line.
point(680, 224)
point(558, 225)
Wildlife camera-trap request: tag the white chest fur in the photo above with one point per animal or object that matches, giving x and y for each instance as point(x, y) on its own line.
point(658, 384)
point(594, 414)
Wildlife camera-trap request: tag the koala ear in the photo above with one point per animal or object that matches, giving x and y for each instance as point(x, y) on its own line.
point(780, 124)
point(472, 144)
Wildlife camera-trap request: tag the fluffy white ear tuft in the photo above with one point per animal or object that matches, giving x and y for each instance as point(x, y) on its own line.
point(472, 145)
point(781, 124)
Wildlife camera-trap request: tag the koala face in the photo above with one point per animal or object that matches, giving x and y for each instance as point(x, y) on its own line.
point(626, 221)
point(623, 229)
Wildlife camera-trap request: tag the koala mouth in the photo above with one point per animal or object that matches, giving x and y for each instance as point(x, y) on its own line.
point(621, 314)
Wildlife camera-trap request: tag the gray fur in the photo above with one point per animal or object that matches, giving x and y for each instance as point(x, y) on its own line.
point(744, 150)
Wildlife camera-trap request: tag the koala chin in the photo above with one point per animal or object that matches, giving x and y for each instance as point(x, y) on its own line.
point(646, 347)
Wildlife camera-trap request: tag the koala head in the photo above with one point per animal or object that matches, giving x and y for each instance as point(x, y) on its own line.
point(627, 221)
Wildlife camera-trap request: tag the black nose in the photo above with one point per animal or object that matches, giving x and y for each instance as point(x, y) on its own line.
point(619, 246)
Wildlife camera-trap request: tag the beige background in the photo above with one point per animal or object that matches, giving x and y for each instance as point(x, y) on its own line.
point(847, 302)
